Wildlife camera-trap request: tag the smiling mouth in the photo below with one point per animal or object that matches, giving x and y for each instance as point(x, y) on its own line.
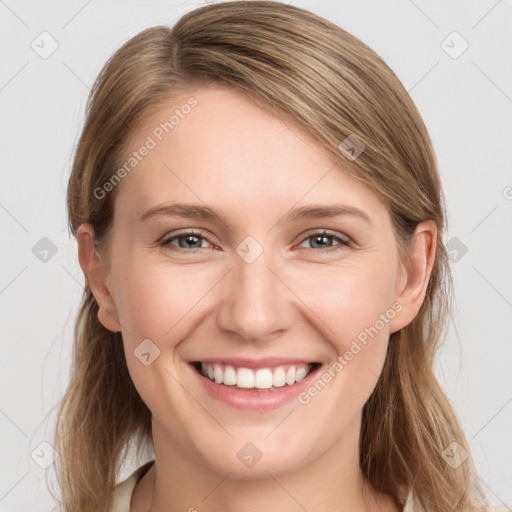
point(262, 379)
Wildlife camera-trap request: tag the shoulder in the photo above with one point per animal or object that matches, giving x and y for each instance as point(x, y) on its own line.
point(124, 489)
point(409, 507)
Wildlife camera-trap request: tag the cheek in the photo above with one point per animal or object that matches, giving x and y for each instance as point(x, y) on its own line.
point(347, 299)
point(156, 300)
point(353, 304)
point(346, 303)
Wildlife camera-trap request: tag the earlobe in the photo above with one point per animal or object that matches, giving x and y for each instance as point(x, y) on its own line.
point(95, 271)
point(413, 277)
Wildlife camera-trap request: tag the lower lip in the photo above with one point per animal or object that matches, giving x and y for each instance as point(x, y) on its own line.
point(254, 400)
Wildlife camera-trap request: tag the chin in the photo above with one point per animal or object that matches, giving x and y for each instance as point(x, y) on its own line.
point(248, 462)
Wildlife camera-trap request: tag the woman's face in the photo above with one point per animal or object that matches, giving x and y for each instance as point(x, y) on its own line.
point(256, 280)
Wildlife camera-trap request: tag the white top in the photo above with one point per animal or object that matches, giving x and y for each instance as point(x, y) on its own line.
point(123, 492)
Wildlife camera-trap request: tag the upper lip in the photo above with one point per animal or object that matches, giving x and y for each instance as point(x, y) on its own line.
point(266, 362)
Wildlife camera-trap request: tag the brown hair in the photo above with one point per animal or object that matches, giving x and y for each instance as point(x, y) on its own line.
point(313, 73)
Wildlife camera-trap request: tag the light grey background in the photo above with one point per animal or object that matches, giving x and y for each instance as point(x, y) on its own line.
point(466, 103)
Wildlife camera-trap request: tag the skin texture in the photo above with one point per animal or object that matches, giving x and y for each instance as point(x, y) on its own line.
point(294, 300)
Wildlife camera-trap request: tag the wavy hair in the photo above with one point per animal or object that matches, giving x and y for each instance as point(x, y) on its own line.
point(313, 73)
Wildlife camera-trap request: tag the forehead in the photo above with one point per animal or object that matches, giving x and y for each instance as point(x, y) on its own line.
point(225, 151)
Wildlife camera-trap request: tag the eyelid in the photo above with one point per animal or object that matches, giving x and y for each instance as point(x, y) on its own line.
point(327, 232)
point(344, 239)
point(167, 238)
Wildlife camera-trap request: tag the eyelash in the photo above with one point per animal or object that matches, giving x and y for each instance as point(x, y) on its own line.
point(343, 241)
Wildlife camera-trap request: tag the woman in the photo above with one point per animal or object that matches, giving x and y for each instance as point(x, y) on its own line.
point(264, 369)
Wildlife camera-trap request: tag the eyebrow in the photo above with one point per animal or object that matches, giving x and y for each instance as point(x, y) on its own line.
point(194, 211)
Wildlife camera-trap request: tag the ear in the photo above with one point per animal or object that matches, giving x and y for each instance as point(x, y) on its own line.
point(413, 276)
point(95, 270)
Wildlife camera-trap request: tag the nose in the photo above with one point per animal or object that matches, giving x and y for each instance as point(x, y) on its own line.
point(256, 303)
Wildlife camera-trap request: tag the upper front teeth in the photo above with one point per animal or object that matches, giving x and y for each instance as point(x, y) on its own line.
point(263, 378)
